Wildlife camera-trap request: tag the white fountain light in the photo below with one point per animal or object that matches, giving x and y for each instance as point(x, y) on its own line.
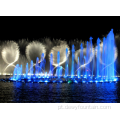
point(62, 50)
point(34, 50)
point(10, 53)
point(77, 54)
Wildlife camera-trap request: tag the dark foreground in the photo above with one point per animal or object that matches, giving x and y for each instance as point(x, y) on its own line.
point(19, 92)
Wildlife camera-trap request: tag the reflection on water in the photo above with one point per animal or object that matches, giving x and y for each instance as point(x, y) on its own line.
point(59, 92)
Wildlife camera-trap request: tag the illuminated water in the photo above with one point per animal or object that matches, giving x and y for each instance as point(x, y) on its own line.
point(91, 78)
point(66, 63)
point(102, 66)
point(19, 92)
point(72, 64)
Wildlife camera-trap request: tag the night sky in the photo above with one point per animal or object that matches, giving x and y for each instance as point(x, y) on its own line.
point(68, 28)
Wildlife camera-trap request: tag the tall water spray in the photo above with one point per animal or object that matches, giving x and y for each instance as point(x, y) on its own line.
point(91, 55)
point(84, 71)
point(42, 63)
point(73, 57)
point(81, 58)
point(108, 56)
point(60, 74)
point(51, 63)
point(26, 71)
point(98, 58)
point(37, 67)
point(17, 73)
point(66, 64)
point(93, 62)
point(58, 67)
point(103, 59)
point(87, 57)
point(31, 68)
point(21, 70)
point(78, 71)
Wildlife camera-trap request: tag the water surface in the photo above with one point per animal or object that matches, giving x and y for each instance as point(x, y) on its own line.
point(18, 92)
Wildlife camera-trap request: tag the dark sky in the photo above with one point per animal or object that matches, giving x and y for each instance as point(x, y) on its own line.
point(14, 28)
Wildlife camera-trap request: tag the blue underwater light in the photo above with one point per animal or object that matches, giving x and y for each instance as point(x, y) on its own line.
point(91, 81)
point(75, 81)
point(46, 81)
point(96, 81)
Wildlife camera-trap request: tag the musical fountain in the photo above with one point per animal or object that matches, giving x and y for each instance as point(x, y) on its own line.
point(93, 65)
